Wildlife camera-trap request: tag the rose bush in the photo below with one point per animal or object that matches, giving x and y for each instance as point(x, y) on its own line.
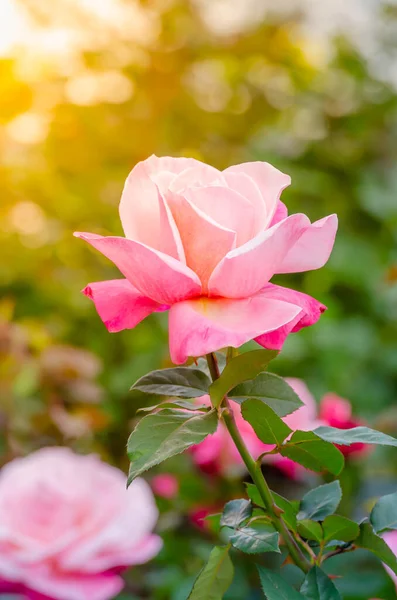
point(205, 244)
point(217, 454)
point(68, 526)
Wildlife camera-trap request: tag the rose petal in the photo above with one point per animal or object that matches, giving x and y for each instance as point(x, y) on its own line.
point(119, 304)
point(227, 208)
point(245, 270)
point(156, 275)
point(205, 242)
point(244, 185)
point(204, 325)
point(144, 214)
point(280, 214)
point(61, 586)
point(313, 248)
point(121, 538)
point(270, 181)
point(310, 312)
point(199, 174)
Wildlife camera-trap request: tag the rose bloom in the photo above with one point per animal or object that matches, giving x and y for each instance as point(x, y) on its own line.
point(68, 526)
point(204, 244)
point(218, 455)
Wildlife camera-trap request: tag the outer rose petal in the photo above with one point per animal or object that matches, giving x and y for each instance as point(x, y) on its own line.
point(313, 248)
point(204, 325)
point(270, 181)
point(65, 587)
point(310, 312)
point(205, 242)
point(144, 214)
point(245, 270)
point(119, 304)
point(156, 275)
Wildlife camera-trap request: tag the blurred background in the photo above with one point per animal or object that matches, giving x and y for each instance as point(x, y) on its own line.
point(90, 87)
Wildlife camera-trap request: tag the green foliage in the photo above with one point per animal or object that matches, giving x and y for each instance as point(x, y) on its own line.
point(269, 428)
point(256, 538)
point(181, 404)
point(215, 578)
point(320, 502)
point(235, 512)
point(182, 382)
point(310, 530)
point(290, 509)
point(241, 368)
point(275, 587)
point(369, 540)
point(307, 449)
point(270, 389)
point(318, 586)
point(384, 514)
point(164, 434)
point(336, 527)
point(346, 437)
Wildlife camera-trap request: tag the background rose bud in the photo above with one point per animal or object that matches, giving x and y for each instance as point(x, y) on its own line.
point(165, 485)
point(205, 244)
point(68, 526)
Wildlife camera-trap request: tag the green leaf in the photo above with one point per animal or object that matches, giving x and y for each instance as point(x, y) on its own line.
point(257, 538)
point(271, 390)
point(275, 587)
point(269, 428)
point(164, 434)
point(320, 502)
point(307, 449)
point(310, 530)
point(384, 514)
point(182, 404)
point(346, 437)
point(369, 540)
point(318, 586)
point(183, 382)
point(235, 512)
point(241, 368)
point(215, 578)
point(289, 509)
point(340, 528)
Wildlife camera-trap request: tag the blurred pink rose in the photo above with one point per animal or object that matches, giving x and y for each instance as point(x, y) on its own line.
point(204, 244)
point(337, 412)
point(68, 526)
point(217, 454)
point(390, 538)
point(165, 485)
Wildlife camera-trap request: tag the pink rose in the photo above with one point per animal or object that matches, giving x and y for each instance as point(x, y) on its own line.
point(68, 526)
point(165, 485)
point(337, 412)
point(204, 244)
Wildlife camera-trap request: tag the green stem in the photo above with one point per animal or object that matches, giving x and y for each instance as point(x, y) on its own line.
point(257, 476)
